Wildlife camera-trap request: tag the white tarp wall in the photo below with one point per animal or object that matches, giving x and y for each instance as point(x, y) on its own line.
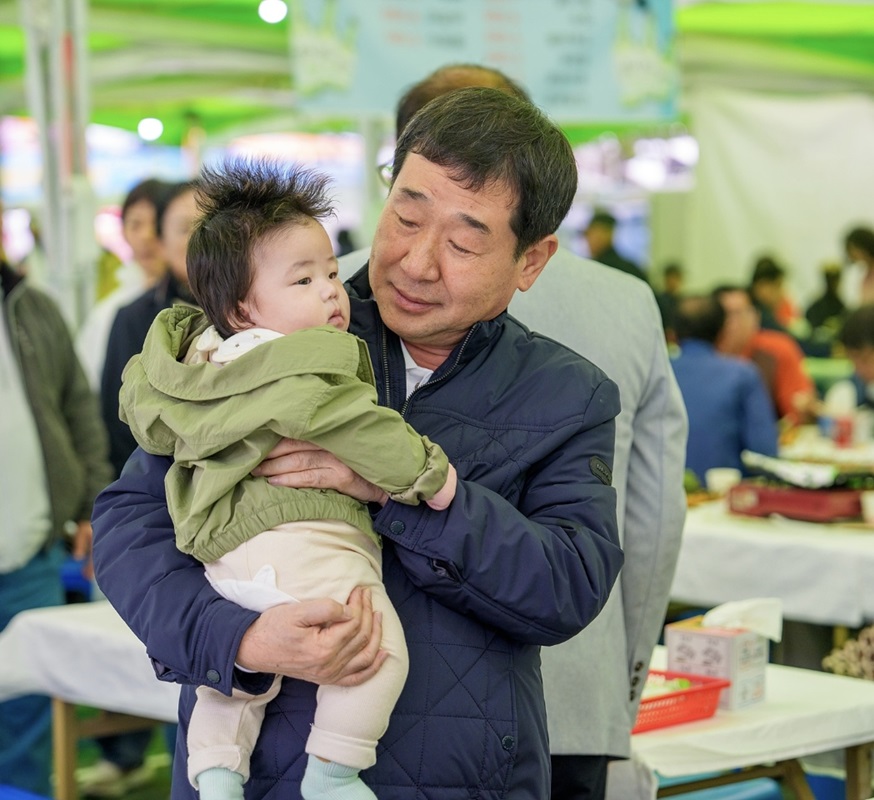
point(778, 174)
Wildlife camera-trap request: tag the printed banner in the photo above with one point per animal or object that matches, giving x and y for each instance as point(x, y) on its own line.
point(581, 60)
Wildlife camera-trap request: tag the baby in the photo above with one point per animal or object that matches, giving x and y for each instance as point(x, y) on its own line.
point(274, 318)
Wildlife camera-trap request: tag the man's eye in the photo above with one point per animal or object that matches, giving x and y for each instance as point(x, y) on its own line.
point(407, 223)
point(459, 249)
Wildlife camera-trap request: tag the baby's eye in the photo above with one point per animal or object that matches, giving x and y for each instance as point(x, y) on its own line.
point(303, 282)
point(334, 275)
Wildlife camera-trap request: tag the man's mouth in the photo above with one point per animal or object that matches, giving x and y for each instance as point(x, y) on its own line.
point(409, 302)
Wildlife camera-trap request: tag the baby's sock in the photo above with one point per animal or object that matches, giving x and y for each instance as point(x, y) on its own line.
point(219, 783)
point(327, 780)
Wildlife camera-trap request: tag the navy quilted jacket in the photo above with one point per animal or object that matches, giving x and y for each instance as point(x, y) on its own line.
point(525, 556)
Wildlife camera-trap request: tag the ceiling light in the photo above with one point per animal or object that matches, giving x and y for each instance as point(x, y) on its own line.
point(150, 128)
point(272, 11)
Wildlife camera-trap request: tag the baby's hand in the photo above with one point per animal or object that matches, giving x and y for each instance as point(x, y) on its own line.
point(441, 500)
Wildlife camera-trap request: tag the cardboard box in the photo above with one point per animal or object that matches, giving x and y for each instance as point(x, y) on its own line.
point(739, 656)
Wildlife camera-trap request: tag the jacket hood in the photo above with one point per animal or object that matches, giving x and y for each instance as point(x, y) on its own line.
point(175, 329)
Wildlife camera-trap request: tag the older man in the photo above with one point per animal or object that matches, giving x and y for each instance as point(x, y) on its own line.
point(526, 554)
point(592, 682)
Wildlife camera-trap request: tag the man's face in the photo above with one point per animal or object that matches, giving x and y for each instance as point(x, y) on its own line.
point(741, 322)
point(863, 362)
point(442, 256)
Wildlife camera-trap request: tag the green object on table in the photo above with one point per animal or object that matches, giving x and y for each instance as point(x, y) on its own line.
point(825, 372)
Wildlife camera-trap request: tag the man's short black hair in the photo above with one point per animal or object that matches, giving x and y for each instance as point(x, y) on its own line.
point(485, 136)
point(699, 317)
point(242, 203)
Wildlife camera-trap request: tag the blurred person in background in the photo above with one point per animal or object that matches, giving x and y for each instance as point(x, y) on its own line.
point(857, 337)
point(768, 291)
point(176, 211)
point(55, 462)
point(858, 279)
point(145, 267)
point(826, 314)
point(599, 238)
point(777, 355)
point(669, 296)
point(728, 407)
point(345, 242)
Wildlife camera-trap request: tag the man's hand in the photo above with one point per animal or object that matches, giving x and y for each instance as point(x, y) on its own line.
point(320, 641)
point(303, 465)
point(82, 548)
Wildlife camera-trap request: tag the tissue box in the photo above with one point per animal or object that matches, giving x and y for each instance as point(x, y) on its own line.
point(737, 655)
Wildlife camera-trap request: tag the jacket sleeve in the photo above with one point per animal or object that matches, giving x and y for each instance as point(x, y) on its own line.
point(655, 507)
point(191, 633)
point(375, 442)
point(538, 567)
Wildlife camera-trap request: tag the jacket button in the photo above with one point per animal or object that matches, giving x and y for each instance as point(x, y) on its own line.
point(212, 676)
point(635, 680)
point(397, 527)
point(632, 694)
point(508, 743)
point(638, 666)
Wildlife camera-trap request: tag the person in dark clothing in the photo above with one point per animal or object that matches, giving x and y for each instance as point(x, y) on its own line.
point(599, 237)
point(766, 291)
point(828, 310)
point(176, 211)
point(669, 296)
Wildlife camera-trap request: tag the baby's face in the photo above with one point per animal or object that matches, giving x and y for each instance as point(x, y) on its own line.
point(295, 283)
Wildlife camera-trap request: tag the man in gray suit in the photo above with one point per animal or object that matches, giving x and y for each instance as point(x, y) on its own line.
point(593, 682)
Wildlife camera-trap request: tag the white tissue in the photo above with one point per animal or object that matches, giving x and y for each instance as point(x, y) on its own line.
point(762, 615)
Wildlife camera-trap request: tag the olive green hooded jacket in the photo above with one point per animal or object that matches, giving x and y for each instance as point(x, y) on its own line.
point(219, 423)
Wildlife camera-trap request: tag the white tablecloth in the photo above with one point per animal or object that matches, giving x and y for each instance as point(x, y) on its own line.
point(804, 712)
point(83, 653)
point(823, 573)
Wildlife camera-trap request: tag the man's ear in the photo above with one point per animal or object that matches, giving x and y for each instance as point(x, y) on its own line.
point(534, 260)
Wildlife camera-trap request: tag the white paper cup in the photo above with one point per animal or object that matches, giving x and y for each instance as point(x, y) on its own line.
point(720, 479)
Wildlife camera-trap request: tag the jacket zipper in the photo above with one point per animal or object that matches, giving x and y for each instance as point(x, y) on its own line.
point(430, 382)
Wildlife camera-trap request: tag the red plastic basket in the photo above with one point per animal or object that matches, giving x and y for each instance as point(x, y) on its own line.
point(698, 701)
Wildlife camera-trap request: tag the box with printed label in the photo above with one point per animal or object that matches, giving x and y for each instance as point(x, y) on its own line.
point(737, 655)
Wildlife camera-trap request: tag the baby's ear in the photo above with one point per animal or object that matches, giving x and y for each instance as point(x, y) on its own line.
point(239, 317)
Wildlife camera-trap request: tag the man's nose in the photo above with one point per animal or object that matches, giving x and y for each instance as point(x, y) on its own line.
point(421, 259)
